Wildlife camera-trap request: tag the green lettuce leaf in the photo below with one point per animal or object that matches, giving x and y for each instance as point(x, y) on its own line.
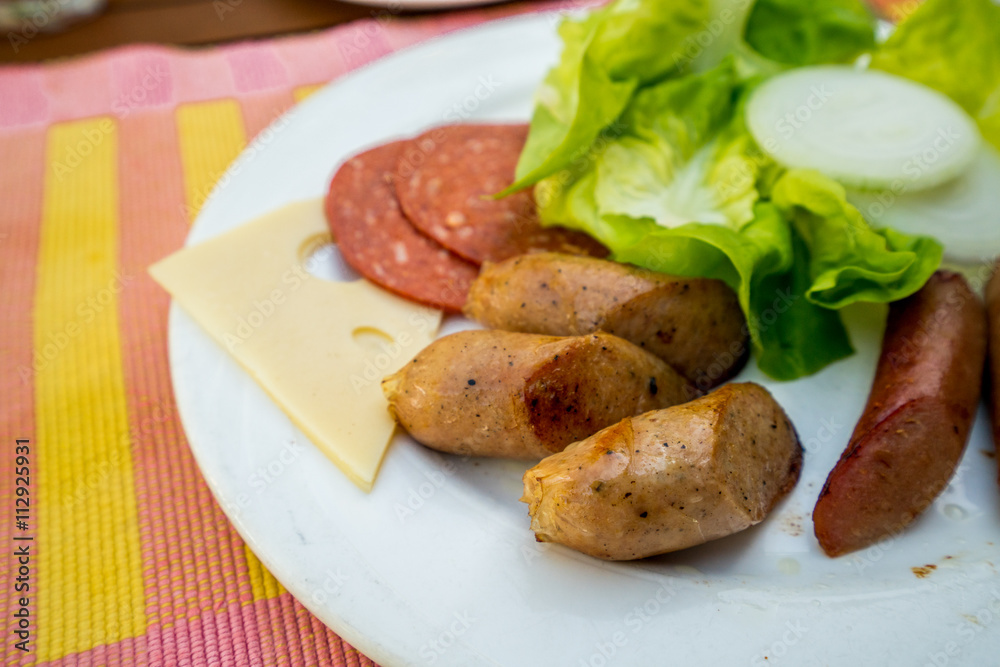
point(678, 154)
point(766, 265)
point(953, 47)
point(669, 156)
point(850, 261)
point(606, 57)
point(795, 337)
point(810, 32)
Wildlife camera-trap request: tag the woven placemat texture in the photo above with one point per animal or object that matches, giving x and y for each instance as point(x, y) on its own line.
point(104, 163)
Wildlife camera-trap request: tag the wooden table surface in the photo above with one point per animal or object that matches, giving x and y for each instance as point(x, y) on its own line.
point(189, 22)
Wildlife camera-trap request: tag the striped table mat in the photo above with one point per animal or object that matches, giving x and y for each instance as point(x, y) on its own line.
point(119, 554)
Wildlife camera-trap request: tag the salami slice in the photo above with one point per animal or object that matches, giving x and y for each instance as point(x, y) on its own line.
point(380, 243)
point(444, 180)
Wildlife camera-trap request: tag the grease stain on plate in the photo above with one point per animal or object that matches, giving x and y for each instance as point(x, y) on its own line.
point(789, 566)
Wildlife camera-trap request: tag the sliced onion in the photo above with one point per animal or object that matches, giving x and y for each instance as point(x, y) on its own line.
point(963, 214)
point(864, 128)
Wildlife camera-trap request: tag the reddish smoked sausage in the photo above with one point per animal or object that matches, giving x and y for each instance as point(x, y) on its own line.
point(993, 310)
point(917, 420)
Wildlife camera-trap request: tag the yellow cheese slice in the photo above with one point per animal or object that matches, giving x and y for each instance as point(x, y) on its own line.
point(319, 348)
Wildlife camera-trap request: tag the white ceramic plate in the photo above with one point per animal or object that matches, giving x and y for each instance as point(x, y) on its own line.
point(438, 566)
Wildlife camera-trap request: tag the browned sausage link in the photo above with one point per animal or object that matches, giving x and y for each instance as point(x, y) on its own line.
point(517, 395)
point(914, 428)
point(668, 479)
point(993, 309)
point(694, 324)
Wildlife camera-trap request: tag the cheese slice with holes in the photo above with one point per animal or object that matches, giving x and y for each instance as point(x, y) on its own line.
point(319, 348)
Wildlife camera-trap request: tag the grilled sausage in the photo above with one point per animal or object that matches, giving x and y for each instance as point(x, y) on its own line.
point(917, 420)
point(517, 395)
point(668, 479)
point(993, 310)
point(694, 324)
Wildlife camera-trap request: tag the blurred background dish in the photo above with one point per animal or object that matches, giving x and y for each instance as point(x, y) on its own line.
point(46, 15)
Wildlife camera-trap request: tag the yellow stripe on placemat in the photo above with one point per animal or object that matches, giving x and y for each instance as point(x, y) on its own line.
point(262, 582)
point(211, 135)
point(302, 92)
point(89, 589)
